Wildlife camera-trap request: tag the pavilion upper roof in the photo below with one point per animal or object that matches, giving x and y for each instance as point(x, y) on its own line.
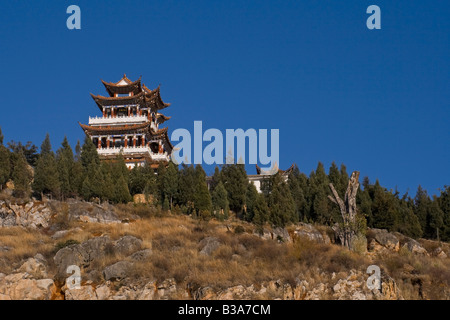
point(142, 95)
point(123, 86)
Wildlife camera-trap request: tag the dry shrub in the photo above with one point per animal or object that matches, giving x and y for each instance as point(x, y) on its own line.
point(224, 252)
point(330, 258)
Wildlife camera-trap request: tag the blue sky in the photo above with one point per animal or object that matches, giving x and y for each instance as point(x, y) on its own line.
point(376, 100)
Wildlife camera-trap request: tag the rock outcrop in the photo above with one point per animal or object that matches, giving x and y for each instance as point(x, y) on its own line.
point(33, 214)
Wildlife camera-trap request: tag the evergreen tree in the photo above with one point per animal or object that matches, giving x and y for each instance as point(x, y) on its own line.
point(297, 183)
point(21, 176)
point(220, 201)
point(435, 220)
point(235, 181)
point(261, 211)
point(1, 137)
point(408, 223)
point(215, 179)
point(202, 198)
point(250, 198)
point(5, 166)
point(281, 204)
point(29, 151)
point(170, 183)
point(364, 203)
point(65, 164)
point(186, 187)
point(46, 180)
point(444, 204)
point(121, 192)
point(161, 171)
point(322, 210)
point(89, 155)
point(422, 204)
point(383, 208)
point(93, 185)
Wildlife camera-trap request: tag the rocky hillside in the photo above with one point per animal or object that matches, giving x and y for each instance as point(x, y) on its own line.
point(137, 252)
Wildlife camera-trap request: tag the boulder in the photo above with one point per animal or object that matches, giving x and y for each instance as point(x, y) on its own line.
point(127, 245)
point(80, 255)
point(142, 255)
point(281, 234)
point(83, 293)
point(92, 212)
point(386, 239)
point(166, 288)
point(307, 231)
point(209, 245)
point(118, 271)
point(264, 234)
point(35, 266)
point(21, 286)
point(103, 292)
point(33, 214)
point(438, 252)
point(148, 292)
point(415, 247)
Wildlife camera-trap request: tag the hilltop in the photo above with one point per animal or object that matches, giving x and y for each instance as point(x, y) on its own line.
point(130, 251)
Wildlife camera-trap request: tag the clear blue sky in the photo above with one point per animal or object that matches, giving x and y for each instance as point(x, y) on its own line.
point(376, 100)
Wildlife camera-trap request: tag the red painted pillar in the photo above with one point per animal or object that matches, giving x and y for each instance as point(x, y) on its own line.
point(99, 144)
point(114, 142)
point(104, 113)
point(143, 141)
point(107, 143)
point(134, 142)
point(129, 111)
point(126, 142)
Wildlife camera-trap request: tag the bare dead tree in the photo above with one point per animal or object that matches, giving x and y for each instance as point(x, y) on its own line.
point(347, 230)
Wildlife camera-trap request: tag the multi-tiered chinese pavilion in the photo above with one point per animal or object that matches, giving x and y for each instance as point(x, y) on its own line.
point(130, 124)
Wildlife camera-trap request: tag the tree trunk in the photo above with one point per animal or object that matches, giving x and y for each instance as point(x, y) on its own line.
point(347, 207)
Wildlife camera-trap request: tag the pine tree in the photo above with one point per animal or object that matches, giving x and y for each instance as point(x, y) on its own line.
point(121, 192)
point(444, 204)
point(261, 210)
point(29, 151)
point(435, 220)
point(170, 183)
point(186, 187)
point(235, 181)
point(5, 166)
point(202, 198)
point(297, 183)
point(161, 172)
point(215, 179)
point(422, 204)
point(321, 208)
point(281, 204)
point(89, 155)
point(108, 183)
point(383, 207)
point(250, 202)
point(46, 180)
point(21, 176)
point(65, 163)
point(408, 223)
point(220, 201)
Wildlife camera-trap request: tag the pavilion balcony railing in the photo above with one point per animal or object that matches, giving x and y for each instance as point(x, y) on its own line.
point(117, 120)
point(132, 150)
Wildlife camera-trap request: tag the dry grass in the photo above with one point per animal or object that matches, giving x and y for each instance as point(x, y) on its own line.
point(241, 259)
point(22, 244)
